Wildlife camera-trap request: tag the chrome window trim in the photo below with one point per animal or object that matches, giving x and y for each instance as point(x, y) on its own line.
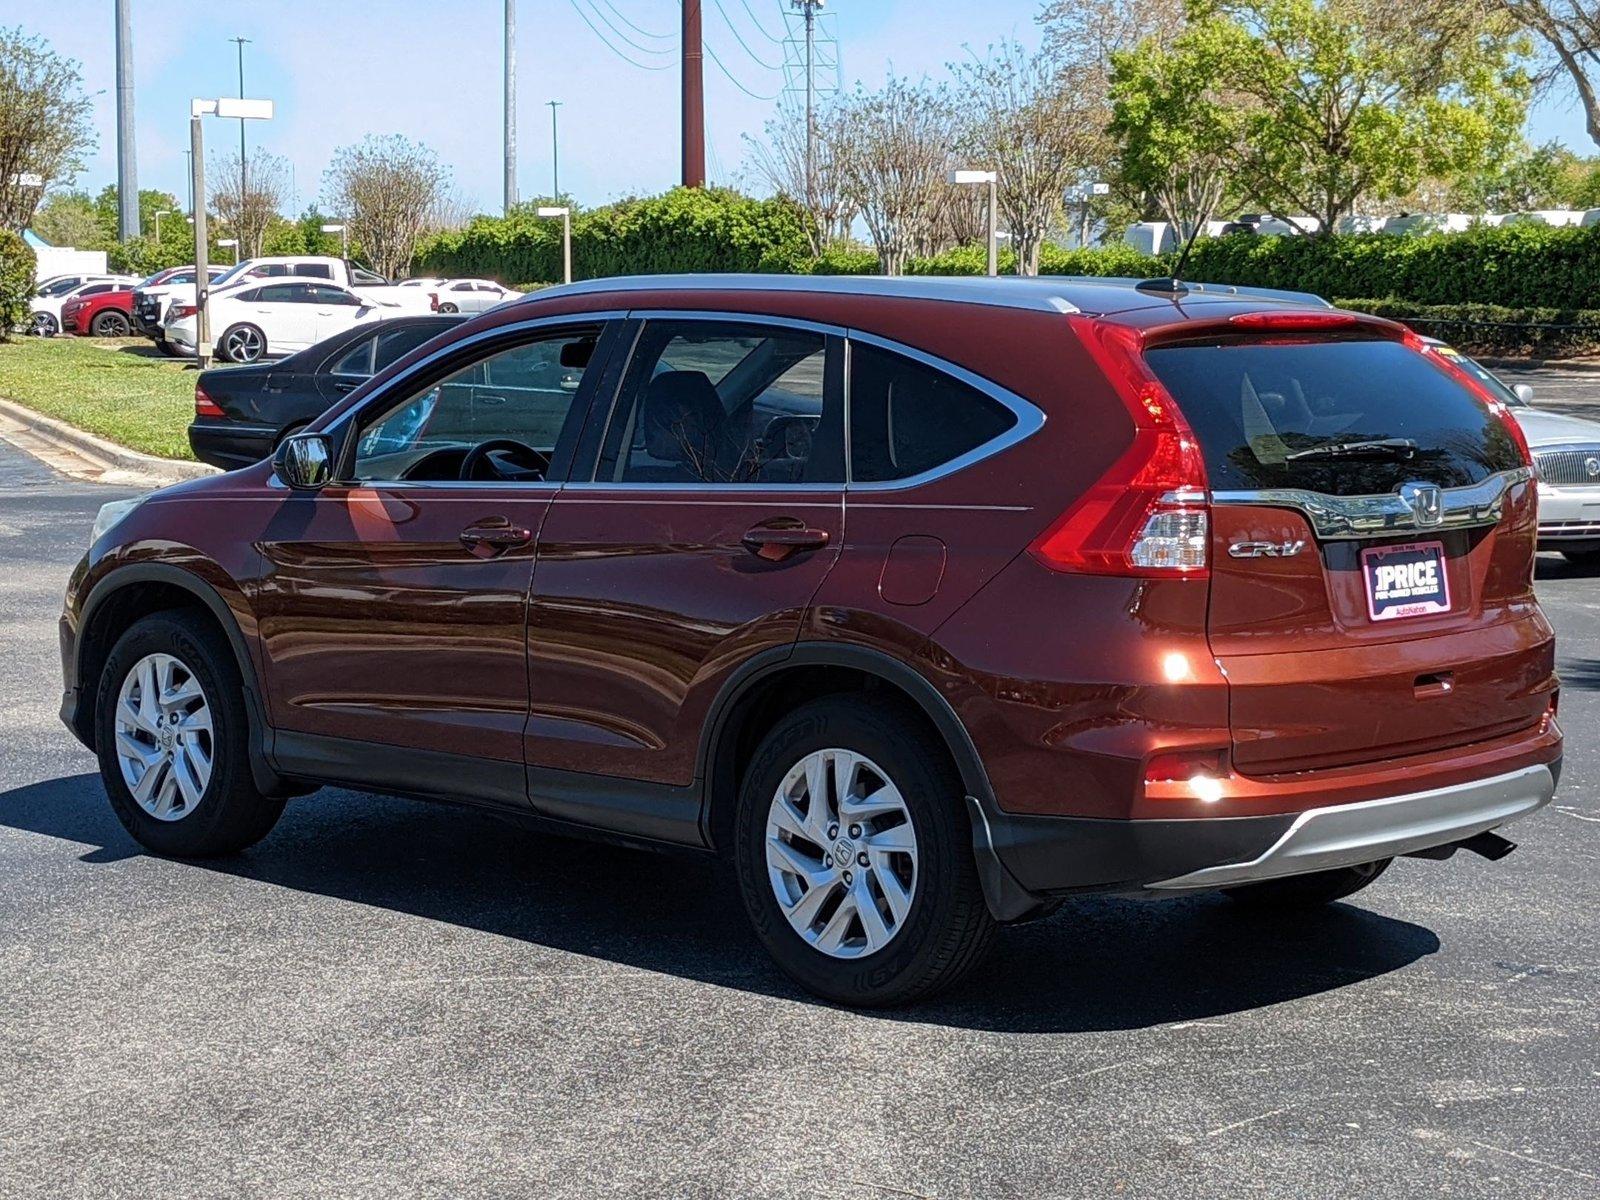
point(1029, 417)
point(1335, 518)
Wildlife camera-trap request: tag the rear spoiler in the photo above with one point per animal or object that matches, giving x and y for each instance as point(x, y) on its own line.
point(1306, 299)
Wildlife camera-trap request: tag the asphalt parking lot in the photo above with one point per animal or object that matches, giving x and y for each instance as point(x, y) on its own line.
point(390, 999)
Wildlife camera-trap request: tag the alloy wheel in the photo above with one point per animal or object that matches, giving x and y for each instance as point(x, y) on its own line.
point(841, 853)
point(165, 739)
point(243, 345)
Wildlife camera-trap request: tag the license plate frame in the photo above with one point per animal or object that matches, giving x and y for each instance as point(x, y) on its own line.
point(1412, 593)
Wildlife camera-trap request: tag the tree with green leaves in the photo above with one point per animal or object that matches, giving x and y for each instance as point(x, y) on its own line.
point(1181, 135)
point(1350, 100)
point(44, 124)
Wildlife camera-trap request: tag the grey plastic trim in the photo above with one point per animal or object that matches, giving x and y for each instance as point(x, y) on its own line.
point(1347, 835)
point(1344, 517)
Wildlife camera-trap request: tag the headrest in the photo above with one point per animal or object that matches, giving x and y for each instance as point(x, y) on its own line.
point(681, 414)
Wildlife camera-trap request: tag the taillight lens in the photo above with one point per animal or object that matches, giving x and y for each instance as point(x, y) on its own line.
point(1148, 515)
point(433, 301)
point(204, 405)
point(179, 311)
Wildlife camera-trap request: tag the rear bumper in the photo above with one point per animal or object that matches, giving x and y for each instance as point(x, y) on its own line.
point(1025, 860)
point(1346, 835)
point(231, 446)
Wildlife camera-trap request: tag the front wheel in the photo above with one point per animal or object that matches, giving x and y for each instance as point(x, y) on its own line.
point(243, 343)
point(1309, 891)
point(172, 736)
point(854, 855)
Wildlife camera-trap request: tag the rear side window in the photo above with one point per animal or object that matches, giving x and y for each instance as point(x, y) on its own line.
point(907, 418)
point(395, 343)
point(1295, 414)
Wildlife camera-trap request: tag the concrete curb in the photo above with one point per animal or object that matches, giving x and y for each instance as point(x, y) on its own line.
point(108, 457)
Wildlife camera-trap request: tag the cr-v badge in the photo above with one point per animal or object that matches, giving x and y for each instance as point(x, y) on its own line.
point(1266, 549)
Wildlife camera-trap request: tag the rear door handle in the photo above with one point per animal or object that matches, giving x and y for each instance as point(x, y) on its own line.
point(777, 544)
point(347, 385)
point(490, 537)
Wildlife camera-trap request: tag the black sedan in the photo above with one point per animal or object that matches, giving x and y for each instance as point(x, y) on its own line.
point(242, 413)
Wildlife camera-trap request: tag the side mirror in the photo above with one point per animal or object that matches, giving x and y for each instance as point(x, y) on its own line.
point(304, 461)
point(1524, 392)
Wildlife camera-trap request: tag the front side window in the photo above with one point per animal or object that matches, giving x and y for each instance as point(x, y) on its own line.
point(726, 403)
point(327, 293)
point(497, 418)
point(907, 417)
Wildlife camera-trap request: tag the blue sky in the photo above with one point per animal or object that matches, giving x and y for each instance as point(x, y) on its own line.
point(430, 69)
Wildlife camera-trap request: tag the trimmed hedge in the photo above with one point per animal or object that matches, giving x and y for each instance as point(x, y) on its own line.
point(1517, 266)
point(686, 229)
point(1494, 329)
point(17, 265)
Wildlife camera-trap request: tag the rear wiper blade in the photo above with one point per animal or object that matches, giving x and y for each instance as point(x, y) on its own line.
point(1396, 448)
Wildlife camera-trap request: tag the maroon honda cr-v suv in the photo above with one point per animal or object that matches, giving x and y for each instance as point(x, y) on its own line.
point(927, 602)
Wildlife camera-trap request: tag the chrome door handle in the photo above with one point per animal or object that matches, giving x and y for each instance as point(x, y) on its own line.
point(777, 544)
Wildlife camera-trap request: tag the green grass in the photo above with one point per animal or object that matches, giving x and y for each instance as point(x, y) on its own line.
point(123, 390)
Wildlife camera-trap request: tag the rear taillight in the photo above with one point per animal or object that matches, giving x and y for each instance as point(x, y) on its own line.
point(204, 405)
point(179, 311)
point(1148, 515)
point(433, 301)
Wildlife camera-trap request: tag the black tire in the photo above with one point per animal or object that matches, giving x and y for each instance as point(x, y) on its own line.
point(1582, 558)
point(168, 348)
point(243, 343)
point(44, 325)
point(1309, 891)
point(230, 813)
point(111, 324)
point(449, 307)
point(947, 928)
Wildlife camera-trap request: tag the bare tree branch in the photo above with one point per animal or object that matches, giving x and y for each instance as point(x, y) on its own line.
point(386, 189)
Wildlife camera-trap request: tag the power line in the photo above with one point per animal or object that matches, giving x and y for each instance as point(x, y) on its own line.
point(756, 21)
point(734, 79)
point(626, 38)
point(733, 29)
point(660, 37)
point(620, 54)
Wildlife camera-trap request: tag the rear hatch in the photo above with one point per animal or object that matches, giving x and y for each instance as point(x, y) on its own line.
point(1372, 537)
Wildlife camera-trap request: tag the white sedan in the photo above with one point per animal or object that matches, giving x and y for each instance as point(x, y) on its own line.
point(469, 295)
point(267, 319)
point(46, 309)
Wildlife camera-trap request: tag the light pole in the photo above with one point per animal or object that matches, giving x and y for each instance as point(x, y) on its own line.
point(991, 179)
point(234, 242)
point(244, 110)
point(343, 231)
point(555, 152)
point(165, 212)
point(242, 42)
point(565, 213)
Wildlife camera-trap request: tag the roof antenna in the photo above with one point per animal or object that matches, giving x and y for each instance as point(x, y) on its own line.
point(1173, 284)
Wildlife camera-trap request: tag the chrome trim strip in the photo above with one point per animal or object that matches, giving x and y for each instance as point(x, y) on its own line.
point(1343, 517)
point(1347, 835)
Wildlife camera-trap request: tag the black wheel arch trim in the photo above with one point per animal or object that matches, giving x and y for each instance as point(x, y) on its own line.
point(266, 777)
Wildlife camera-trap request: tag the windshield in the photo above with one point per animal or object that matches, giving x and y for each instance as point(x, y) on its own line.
point(1344, 417)
point(59, 287)
point(228, 276)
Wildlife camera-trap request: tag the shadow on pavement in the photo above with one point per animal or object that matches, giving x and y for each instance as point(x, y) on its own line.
point(1098, 964)
point(1553, 566)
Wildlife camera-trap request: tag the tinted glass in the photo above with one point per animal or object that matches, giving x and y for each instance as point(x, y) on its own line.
point(1274, 414)
point(523, 394)
point(907, 418)
point(357, 360)
point(315, 270)
point(285, 293)
point(1482, 374)
point(394, 344)
point(714, 403)
point(323, 293)
point(363, 278)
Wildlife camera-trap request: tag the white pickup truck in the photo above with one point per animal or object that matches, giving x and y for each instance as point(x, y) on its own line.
point(152, 306)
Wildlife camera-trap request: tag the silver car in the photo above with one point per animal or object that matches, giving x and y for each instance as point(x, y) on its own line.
point(1566, 451)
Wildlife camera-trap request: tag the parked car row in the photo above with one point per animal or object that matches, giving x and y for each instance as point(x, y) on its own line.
point(53, 295)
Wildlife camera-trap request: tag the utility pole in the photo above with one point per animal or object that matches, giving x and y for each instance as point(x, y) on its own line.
point(694, 99)
point(511, 106)
point(127, 166)
point(242, 43)
point(808, 11)
point(555, 152)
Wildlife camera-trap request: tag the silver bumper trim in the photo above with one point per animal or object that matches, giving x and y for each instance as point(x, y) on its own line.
point(1345, 835)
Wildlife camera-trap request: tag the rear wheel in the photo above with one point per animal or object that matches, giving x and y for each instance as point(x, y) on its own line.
point(855, 857)
point(167, 348)
point(449, 307)
point(111, 324)
point(45, 325)
point(172, 736)
point(244, 343)
point(1309, 891)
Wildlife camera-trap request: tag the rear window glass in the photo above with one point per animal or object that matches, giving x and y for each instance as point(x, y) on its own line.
point(1295, 415)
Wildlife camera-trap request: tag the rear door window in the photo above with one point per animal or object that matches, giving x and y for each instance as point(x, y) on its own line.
point(907, 418)
point(1343, 417)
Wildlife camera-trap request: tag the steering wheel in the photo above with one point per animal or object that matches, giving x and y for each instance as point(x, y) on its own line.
point(504, 459)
